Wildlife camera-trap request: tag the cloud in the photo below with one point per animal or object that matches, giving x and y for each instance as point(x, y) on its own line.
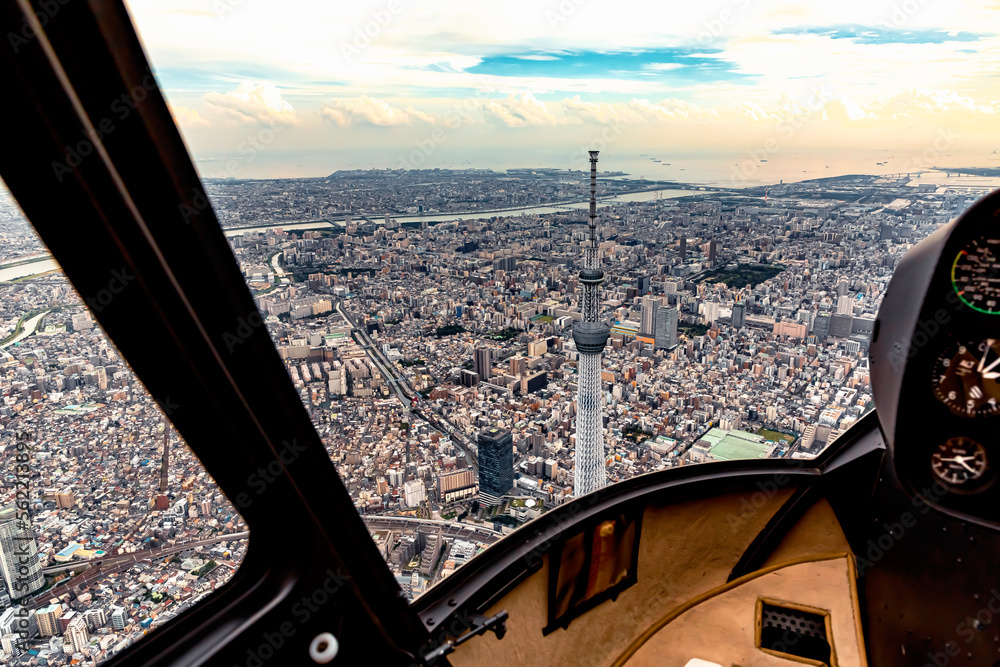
point(918, 101)
point(187, 118)
point(253, 102)
point(373, 111)
point(672, 109)
point(520, 110)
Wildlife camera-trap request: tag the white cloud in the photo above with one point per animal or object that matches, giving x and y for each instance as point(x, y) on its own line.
point(253, 102)
point(374, 111)
point(520, 110)
point(187, 118)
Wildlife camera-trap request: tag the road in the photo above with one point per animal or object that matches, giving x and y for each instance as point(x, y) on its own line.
point(449, 529)
point(401, 386)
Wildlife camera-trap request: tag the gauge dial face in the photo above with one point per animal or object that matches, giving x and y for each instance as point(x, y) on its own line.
point(967, 378)
point(975, 275)
point(959, 461)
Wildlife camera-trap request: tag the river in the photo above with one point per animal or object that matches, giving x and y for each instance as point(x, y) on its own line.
point(648, 195)
point(26, 330)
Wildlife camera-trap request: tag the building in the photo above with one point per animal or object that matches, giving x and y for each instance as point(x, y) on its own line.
point(19, 566)
point(666, 327)
point(534, 382)
point(712, 310)
point(590, 337)
point(845, 305)
point(821, 327)
point(841, 325)
point(496, 464)
point(482, 364)
point(76, 634)
point(683, 248)
point(739, 315)
point(48, 620)
point(790, 329)
point(712, 249)
point(414, 493)
point(119, 618)
point(469, 378)
point(456, 485)
point(649, 306)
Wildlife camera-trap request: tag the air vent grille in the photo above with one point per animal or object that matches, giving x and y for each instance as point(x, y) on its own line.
point(794, 632)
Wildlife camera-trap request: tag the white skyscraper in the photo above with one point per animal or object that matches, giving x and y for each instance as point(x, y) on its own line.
point(590, 336)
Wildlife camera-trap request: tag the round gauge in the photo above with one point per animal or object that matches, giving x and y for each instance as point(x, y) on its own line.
point(959, 461)
point(975, 275)
point(967, 378)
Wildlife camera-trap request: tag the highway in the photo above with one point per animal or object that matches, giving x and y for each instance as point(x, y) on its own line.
point(449, 529)
point(405, 392)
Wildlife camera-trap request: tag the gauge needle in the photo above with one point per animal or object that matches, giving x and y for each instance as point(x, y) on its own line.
point(989, 346)
point(961, 460)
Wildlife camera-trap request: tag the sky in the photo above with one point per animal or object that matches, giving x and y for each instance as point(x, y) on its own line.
point(302, 87)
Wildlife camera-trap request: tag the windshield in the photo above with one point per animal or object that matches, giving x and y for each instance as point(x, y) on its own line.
point(406, 186)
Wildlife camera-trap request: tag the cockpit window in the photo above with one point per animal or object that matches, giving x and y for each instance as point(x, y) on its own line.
point(406, 187)
point(109, 524)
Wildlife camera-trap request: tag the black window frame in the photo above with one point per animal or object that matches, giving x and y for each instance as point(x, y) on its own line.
point(95, 161)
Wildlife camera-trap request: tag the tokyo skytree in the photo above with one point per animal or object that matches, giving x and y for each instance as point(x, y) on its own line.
point(590, 336)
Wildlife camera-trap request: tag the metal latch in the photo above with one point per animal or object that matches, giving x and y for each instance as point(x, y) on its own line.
point(480, 625)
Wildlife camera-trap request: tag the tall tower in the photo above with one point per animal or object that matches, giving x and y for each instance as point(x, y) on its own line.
point(590, 336)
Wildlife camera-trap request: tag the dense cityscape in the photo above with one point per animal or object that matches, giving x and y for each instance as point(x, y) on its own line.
point(426, 318)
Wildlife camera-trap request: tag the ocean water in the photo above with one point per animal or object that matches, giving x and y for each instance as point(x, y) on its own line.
point(732, 169)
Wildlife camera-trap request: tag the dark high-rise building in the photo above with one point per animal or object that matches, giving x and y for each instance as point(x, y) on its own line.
point(469, 378)
point(841, 325)
point(739, 315)
point(712, 246)
point(482, 364)
point(821, 326)
point(683, 250)
point(666, 327)
point(496, 464)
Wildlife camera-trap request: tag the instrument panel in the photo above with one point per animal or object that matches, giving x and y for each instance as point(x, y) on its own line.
point(946, 447)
